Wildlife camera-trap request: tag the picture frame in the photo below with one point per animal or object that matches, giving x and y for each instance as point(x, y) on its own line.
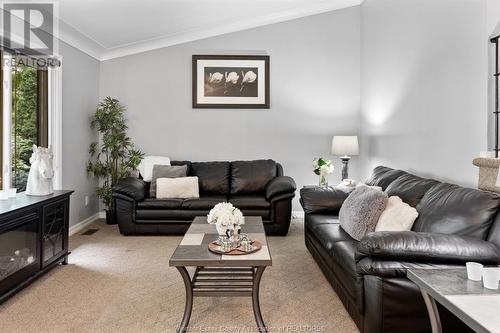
point(230, 81)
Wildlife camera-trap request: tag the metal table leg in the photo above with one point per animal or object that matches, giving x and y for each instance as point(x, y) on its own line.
point(189, 300)
point(432, 309)
point(255, 300)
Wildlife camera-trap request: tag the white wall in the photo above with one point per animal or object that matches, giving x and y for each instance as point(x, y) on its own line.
point(80, 98)
point(424, 86)
point(315, 93)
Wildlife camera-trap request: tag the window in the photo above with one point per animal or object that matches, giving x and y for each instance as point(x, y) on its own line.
point(24, 118)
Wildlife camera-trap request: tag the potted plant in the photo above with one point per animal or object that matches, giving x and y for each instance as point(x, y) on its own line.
point(113, 156)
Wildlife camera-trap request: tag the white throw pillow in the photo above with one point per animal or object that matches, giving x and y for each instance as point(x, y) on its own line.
point(397, 216)
point(183, 188)
point(147, 164)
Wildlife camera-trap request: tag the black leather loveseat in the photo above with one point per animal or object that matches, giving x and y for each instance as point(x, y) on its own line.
point(257, 188)
point(455, 225)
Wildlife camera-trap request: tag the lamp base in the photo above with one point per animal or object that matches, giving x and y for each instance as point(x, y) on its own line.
point(345, 168)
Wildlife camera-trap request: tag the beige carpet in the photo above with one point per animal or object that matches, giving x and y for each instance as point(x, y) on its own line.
point(123, 284)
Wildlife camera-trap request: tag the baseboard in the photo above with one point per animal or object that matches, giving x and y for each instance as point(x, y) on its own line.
point(85, 223)
point(298, 214)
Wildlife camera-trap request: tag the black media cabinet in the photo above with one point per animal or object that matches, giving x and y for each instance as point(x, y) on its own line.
point(33, 238)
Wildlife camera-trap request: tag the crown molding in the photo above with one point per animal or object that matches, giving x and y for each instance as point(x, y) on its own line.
point(204, 32)
point(78, 40)
point(75, 38)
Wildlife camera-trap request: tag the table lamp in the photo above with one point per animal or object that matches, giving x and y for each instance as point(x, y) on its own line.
point(345, 146)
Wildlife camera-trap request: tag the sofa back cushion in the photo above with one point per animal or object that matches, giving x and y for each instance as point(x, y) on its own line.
point(251, 177)
point(383, 176)
point(410, 188)
point(213, 177)
point(451, 209)
point(186, 163)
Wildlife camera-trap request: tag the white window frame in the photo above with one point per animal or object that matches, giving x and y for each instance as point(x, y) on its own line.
point(7, 120)
point(54, 122)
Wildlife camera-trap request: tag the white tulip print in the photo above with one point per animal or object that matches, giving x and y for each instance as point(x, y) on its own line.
point(232, 77)
point(248, 77)
point(215, 77)
point(231, 81)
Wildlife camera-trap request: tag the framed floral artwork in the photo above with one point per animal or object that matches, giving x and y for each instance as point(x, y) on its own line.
point(231, 81)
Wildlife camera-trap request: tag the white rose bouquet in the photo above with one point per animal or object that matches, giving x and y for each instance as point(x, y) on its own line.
point(225, 216)
point(323, 167)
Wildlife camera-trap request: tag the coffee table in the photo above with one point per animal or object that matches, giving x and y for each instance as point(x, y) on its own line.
point(468, 300)
point(217, 275)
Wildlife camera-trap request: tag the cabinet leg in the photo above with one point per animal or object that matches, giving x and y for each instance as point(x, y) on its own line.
point(65, 261)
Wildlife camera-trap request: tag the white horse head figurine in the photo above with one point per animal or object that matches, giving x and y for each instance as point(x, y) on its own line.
point(41, 172)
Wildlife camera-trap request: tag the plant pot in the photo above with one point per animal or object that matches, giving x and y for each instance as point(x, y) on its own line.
point(110, 217)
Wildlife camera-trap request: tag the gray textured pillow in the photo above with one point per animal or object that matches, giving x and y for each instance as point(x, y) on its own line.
point(165, 171)
point(361, 210)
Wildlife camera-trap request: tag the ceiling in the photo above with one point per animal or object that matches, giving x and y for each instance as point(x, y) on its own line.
point(107, 29)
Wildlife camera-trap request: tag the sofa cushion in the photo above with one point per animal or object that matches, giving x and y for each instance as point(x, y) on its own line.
point(264, 213)
point(165, 171)
point(213, 177)
point(182, 187)
point(410, 188)
point(326, 230)
point(251, 177)
point(148, 162)
point(250, 201)
point(361, 210)
point(451, 209)
point(159, 204)
point(204, 202)
point(164, 215)
point(383, 176)
point(397, 216)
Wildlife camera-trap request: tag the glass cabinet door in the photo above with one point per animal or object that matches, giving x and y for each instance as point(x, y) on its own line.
point(18, 247)
point(53, 241)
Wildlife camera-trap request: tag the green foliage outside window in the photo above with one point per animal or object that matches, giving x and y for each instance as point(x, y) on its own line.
point(24, 122)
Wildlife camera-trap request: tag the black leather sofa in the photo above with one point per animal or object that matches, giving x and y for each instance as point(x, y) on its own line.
point(455, 225)
point(257, 188)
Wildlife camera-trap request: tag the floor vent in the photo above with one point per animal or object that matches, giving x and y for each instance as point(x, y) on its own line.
point(90, 232)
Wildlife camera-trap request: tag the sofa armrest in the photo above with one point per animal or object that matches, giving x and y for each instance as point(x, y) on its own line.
point(322, 199)
point(392, 268)
point(280, 185)
point(427, 247)
point(131, 187)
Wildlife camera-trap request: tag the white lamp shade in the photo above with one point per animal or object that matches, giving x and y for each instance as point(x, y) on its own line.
point(345, 145)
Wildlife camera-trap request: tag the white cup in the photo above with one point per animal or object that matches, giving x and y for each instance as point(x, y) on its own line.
point(474, 271)
point(490, 278)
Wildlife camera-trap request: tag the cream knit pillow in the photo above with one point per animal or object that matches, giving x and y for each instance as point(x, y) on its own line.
point(397, 216)
point(183, 188)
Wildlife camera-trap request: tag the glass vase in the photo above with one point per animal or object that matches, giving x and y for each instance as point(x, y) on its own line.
point(323, 180)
